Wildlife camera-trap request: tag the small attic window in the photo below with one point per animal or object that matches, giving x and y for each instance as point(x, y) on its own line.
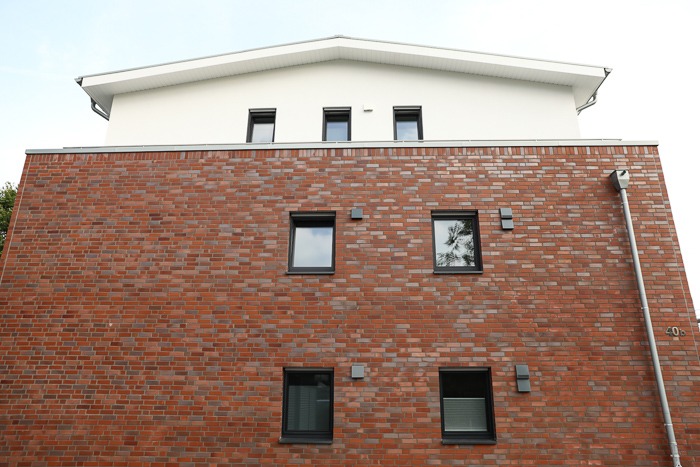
point(261, 126)
point(336, 124)
point(408, 124)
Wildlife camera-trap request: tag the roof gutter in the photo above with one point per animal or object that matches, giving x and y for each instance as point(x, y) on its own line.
point(620, 179)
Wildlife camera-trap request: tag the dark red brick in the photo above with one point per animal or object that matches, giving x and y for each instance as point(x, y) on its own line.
point(146, 317)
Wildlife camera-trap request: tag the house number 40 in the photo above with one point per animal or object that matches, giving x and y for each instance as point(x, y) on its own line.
point(674, 331)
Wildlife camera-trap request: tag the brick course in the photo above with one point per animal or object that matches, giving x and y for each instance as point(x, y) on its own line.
point(146, 314)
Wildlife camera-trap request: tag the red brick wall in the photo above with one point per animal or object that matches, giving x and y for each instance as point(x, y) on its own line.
point(146, 317)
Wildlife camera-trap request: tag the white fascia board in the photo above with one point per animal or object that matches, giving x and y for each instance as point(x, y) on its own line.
point(584, 79)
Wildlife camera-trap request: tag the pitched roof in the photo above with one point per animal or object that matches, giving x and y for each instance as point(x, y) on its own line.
point(584, 79)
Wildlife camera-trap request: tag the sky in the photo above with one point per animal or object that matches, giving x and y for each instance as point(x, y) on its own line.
point(650, 95)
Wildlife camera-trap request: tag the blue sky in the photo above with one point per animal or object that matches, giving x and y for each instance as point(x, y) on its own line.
point(651, 46)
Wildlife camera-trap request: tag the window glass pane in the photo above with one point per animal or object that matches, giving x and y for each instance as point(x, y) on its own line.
point(454, 242)
point(465, 414)
point(464, 384)
point(313, 247)
point(407, 130)
point(262, 132)
point(336, 131)
point(308, 404)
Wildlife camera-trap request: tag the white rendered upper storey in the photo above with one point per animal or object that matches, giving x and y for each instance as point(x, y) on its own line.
point(342, 88)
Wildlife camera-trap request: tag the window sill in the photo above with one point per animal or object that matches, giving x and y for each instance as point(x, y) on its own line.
point(468, 441)
point(310, 272)
point(292, 440)
point(457, 272)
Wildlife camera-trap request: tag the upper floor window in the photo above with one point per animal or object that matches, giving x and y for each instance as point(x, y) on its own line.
point(466, 406)
point(336, 124)
point(261, 126)
point(408, 124)
point(307, 405)
point(456, 241)
point(312, 243)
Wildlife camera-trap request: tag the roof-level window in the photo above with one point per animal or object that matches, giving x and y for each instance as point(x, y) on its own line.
point(261, 126)
point(408, 124)
point(336, 124)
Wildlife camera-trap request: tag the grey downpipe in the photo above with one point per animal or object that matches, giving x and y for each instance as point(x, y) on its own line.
point(591, 102)
point(620, 179)
point(594, 98)
point(97, 110)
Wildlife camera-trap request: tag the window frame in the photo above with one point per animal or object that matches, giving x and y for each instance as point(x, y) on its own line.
point(258, 116)
point(469, 437)
point(310, 219)
point(458, 215)
point(404, 114)
point(336, 114)
point(299, 436)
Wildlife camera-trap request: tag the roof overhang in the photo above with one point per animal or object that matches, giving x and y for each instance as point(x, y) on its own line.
point(583, 79)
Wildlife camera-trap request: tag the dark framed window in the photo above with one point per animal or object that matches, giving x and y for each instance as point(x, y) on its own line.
point(312, 243)
point(336, 124)
point(307, 405)
point(408, 124)
point(456, 246)
point(261, 126)
point(466, 406)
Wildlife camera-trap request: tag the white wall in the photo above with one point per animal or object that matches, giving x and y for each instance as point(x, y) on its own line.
point(455, 106)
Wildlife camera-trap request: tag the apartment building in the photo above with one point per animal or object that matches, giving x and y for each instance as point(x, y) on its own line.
point(346, 252)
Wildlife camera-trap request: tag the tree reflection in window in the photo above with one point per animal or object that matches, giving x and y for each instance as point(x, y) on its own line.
point(456, 241)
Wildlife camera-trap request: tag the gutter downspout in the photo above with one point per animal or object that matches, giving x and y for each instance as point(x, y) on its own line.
point(594, 98)
point(620, 179)
point(97, 110)
point(591, 102)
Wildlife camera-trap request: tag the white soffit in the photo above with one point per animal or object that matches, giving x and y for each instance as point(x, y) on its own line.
point(584, 79)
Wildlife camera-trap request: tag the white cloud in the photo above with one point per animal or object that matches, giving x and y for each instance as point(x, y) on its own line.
point(313, 247)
